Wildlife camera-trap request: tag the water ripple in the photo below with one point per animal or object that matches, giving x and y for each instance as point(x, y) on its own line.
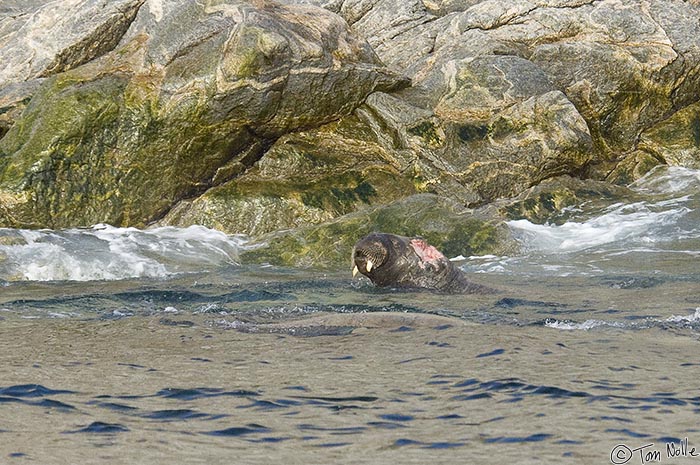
point(99, 427)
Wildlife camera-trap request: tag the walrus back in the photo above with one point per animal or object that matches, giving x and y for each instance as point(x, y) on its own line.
point(457, 283)
point(439, 275)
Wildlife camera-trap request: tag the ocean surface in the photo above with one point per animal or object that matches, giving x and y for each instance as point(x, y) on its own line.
point(156, 346)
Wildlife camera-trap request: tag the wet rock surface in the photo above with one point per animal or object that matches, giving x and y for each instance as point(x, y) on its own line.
point(191, 97)
point(259, 117)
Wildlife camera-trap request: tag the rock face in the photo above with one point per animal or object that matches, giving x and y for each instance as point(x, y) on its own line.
point(323, 116)
point(622, 66)
point(37, 41)
point(676, 140)
point(305, 178)
point(191, 97)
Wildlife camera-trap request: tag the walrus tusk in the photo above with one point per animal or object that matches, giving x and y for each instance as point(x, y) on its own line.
point(355, 271)
point(369, 266)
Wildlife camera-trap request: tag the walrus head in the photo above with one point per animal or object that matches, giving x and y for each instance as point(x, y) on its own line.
point(408, 263)
point(370, 253)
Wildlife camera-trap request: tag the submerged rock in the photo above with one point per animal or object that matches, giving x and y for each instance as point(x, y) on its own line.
point(341, 324)
point(447, 226)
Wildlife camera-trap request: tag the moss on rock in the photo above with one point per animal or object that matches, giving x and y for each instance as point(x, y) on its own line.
point(676, 140)
point(632, 167)
point(440, 221)
point(166, 116)
point(548, 202)
point(305, 178)
point(101, 148)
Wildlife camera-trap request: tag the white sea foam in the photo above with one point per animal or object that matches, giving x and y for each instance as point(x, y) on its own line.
point(668, 180)
point(107, 253)
point(619, 223)
point(667, 214)
point(676, 320)
point(485, 263)
point(694, 318)
point(585, 326)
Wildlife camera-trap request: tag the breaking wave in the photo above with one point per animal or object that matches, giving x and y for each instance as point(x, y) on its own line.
point(663, 221)
point(107, 253)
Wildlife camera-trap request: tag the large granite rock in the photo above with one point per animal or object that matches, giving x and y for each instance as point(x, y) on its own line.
point(260, 116)
point(192, 96)
point(624, 65)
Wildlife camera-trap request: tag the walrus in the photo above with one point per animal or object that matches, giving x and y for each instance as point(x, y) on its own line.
point(389, 260)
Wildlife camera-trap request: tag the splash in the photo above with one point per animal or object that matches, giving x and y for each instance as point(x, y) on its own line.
point(107, 253)
point(672, 322)
point(685, 319)
point(632, 223)
point(668, 180)
point(664, 218)
point(584, 326)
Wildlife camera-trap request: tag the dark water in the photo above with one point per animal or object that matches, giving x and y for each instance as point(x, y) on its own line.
point(126, 346)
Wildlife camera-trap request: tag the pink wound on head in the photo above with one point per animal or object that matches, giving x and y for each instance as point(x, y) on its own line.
point(426, 252)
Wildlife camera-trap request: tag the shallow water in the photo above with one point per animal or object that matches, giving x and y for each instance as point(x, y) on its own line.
point(126, 346)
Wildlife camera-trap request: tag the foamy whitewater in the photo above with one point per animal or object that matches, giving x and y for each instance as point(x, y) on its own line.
point(663, 223)
point(107, 253)
point(691, 321)
point(660, 226)
point(667, 215)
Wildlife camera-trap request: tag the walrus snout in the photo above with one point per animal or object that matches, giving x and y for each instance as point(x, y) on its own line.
point(368, 254)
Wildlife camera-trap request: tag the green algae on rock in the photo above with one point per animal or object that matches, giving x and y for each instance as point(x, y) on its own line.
point(675, 140)
point(304, 178)
point(443, 223)
point(164, 117)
